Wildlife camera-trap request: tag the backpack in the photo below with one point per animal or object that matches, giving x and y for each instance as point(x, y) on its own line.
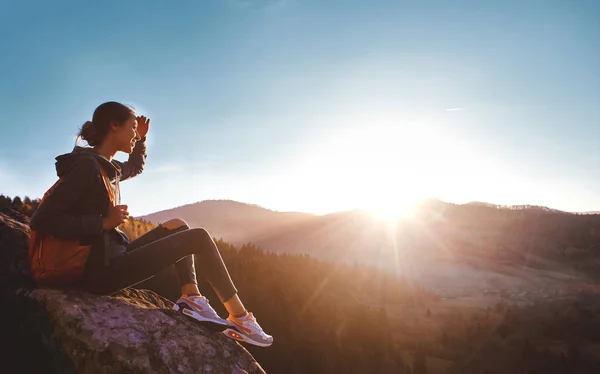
point(58, 261)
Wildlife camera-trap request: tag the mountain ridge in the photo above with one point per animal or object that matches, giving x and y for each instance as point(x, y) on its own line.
point(228, 218)
point(443, 245)
point(422, 202)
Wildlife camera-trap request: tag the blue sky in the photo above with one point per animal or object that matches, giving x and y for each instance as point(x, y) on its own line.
point(314, 105)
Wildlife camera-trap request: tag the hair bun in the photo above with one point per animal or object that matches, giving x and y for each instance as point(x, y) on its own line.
point(88, 133)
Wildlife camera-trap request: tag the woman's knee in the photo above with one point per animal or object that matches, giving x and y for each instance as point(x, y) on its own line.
point(200, 235)
point(174, 224)
point(202, 241)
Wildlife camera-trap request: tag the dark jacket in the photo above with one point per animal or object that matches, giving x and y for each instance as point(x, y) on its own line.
point(74, 210)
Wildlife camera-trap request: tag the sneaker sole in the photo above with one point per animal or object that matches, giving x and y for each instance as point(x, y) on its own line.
point(210, 324)
point(235, 335)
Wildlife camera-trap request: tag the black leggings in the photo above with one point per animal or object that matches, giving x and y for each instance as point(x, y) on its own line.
point(158, 249)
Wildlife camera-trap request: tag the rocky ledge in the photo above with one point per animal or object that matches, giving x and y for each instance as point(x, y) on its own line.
point(134, 331)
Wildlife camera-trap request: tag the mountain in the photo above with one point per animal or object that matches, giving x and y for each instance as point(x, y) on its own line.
point(355, 235)
point(231, 220)
point(471, 247)
point(328, 236)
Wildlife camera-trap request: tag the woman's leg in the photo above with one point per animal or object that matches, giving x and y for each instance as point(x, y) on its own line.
point(170, 243)
point(163, 247)
point(186, 264)
point(163, 230)
point(233, 305)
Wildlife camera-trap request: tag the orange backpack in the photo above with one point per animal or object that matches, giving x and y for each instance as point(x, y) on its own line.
point(56, 261)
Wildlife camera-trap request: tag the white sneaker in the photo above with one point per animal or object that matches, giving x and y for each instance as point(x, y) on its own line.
point(247, 330)
point(198, 308)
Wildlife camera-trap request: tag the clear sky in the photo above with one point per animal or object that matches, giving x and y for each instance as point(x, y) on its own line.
point(314, 105)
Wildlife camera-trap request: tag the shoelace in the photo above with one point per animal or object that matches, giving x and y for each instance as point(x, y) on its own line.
point(252, 322)
point(205, 303)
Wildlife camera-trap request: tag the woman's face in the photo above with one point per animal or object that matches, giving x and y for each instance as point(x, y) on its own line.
point(127, 135)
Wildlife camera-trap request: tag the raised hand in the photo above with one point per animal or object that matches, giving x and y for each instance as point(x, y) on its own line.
point(143, 124)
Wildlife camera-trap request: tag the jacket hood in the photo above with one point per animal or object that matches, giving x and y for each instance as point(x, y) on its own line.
point(65, 161)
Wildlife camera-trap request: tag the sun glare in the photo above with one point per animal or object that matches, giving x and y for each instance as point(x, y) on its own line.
point(392, 211)
point(392, 199)
point(384, 170)
point(388, 169)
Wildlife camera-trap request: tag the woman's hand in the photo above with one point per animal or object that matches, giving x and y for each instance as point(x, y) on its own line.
point(143, 124)
point(117, 215)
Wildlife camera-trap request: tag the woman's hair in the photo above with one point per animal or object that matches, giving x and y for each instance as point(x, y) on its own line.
point(94, 131)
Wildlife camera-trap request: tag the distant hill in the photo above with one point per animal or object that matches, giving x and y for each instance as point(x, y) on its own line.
point(231, 220)
point(472, 245)
point(351, 234)
point(292, 232)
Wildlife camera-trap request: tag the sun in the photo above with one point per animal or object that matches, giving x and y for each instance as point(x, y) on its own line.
point(392, 206)
point(391, 212)
point(391, 170)
point(385, 170)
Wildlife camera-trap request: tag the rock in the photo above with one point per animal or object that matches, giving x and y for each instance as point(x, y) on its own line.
point(133, 331)
point(14, 241)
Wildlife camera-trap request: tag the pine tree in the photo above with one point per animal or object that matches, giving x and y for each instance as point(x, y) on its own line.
point(5, 202)
point(17, 203)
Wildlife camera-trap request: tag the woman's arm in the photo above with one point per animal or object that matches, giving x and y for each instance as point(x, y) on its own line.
point(135, 164)
point(54, 215)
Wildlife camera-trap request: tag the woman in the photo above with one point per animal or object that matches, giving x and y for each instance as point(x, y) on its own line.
point(80, 208)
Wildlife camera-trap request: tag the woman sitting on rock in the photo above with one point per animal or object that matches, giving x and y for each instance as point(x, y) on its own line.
point(82, 207)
